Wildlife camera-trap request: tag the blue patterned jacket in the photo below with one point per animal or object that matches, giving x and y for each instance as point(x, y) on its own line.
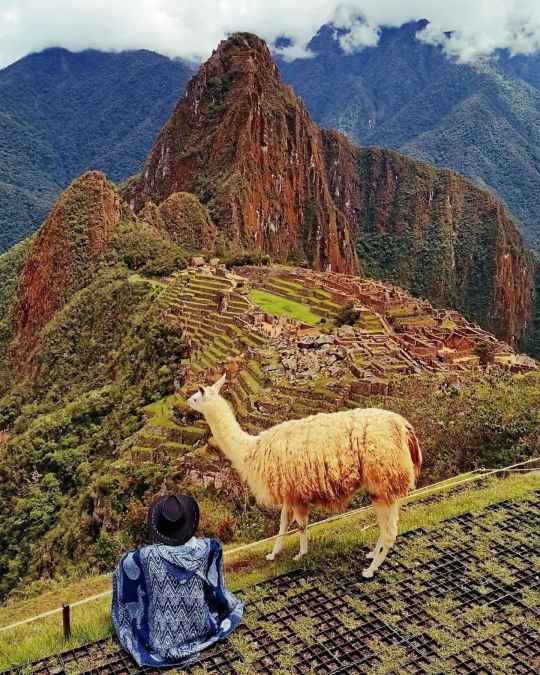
point(170, 602)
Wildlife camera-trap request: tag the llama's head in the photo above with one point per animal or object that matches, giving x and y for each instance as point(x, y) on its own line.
point(204, 396)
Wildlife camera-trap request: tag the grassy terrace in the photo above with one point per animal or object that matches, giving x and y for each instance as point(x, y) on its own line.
point(281, 306)
point(334, 546)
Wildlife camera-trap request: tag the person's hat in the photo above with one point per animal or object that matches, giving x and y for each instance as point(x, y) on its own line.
point(173, 520)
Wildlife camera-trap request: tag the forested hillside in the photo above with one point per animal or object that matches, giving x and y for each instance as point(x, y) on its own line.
point(62, 113)
point(482, 120)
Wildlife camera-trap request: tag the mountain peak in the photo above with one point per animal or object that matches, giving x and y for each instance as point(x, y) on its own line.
point(66, 251)
point(274, 182)
point(245, 144)
point(244, 54)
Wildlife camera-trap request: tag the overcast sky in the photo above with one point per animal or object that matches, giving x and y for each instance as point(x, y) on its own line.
point(192, 28)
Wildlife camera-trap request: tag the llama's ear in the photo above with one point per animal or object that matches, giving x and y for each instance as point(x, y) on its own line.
point(217, 385)
point(201, 390)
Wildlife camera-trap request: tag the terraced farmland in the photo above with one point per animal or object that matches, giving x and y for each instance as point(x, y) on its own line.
point(264, 325)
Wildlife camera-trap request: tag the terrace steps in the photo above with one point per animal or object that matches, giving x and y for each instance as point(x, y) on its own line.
point(396, 336)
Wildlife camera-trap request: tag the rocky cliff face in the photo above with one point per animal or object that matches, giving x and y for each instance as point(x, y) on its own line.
point(273, 181)
point(435, 233)
point(244, 143)
point(66, 250)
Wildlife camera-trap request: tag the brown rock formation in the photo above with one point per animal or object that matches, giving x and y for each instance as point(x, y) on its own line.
point(184, 219)
point(435, 233)
point(273, 181)
point(65, 252)
point(246, 145)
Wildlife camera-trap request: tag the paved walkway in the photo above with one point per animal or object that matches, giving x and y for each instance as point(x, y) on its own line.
point(461, 599)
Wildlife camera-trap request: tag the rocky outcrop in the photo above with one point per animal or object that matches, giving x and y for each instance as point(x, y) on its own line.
point(434, 233)
point(274, 182)
point(65, 252)
point(244, 143)
point(184, 219)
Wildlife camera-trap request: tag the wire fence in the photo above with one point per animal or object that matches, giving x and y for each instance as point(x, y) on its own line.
point(420, 493)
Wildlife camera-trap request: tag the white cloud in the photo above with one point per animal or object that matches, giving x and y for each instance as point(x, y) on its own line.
point(192, 28)
point(360, 34)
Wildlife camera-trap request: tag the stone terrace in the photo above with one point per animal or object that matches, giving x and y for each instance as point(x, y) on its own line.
point(281, 368)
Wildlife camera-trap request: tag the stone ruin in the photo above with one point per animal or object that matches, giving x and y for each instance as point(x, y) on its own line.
point(279, 368)
point(274, 326)
point(312, 356)
point(397, 335)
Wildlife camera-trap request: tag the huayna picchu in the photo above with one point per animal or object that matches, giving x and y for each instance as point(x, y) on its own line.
point(274, 182)
point(320, 276)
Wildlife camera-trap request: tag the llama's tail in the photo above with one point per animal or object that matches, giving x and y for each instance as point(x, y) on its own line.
point(414, 449)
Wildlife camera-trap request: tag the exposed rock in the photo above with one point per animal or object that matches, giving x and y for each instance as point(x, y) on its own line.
point(274, 182)
point(434, 232)
point(523, 362)
point(66, 252)
point(244, 143)
point(325, 339)
point(345, 331)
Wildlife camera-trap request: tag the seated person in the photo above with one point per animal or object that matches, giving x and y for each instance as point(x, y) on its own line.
point(169, 598)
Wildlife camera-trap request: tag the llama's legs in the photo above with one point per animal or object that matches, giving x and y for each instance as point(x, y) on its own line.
point(387, 517)
point(284, 523)
point(377, 546)
point(301, 515)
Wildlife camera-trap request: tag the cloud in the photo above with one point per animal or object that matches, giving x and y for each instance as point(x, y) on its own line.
point(191, 29)
point(359, 35)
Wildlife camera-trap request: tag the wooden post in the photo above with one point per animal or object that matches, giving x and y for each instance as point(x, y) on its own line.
point(66, 621)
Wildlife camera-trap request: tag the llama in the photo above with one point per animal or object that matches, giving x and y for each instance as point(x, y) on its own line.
point(322, 459)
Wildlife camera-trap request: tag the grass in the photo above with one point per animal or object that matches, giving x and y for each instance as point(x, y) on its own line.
point(331, 543)
point(280, 306)
point(159, 414)
point(137, 278)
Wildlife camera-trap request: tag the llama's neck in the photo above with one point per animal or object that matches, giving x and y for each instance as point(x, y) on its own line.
point(229, 435)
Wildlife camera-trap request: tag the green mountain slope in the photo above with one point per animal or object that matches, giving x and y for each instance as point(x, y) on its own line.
point(62, 113)
point(90, 430)
point(481, 120)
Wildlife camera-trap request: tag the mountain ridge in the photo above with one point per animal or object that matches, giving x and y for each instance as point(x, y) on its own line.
point(361, 94)
point(276, 183)
point(62, 113)
point(480, 120)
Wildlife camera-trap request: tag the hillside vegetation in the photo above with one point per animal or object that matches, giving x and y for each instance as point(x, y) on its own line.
point(62, 113)
point(481, 120)
point(95, 433)
point(107, 329)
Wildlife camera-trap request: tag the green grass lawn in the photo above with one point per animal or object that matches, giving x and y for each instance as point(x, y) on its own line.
point(329, 542)
point(279, 306)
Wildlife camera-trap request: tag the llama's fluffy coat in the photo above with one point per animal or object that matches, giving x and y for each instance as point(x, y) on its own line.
point(323, 459)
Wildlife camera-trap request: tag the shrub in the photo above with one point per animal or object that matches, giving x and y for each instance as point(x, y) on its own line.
point(348, 315)
point(252, 258)
point(141, 248)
